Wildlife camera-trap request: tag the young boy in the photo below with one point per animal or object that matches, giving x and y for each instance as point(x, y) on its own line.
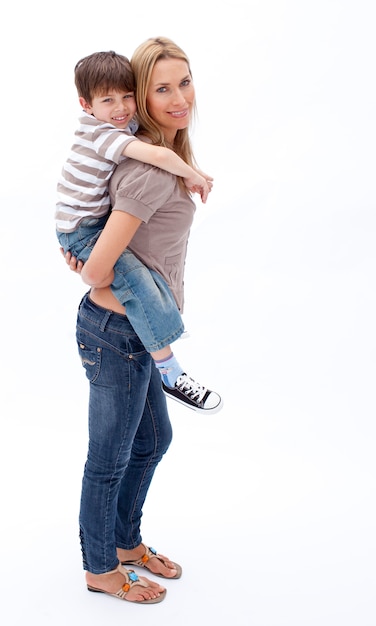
point(105, 86)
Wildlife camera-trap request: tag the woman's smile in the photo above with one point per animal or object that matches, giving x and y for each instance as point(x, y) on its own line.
point(179, 114)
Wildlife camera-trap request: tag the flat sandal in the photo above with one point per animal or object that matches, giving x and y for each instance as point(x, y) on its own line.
point(150, 553)
point(131, 580)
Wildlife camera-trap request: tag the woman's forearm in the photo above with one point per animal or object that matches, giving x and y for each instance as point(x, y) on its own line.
point(98, 270)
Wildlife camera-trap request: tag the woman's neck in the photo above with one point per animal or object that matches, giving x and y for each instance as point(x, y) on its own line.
point(169, 139)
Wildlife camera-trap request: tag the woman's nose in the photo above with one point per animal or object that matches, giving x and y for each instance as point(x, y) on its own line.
point(177, 97)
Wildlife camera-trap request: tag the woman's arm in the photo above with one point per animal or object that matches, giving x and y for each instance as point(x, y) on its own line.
point(98, 271)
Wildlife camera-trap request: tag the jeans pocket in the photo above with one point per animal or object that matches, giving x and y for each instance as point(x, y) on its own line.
point(90, 359)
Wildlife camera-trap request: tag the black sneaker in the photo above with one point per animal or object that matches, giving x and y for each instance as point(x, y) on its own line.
point(193, 395)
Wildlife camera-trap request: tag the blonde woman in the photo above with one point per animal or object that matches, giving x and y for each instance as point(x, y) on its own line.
point(129, 426)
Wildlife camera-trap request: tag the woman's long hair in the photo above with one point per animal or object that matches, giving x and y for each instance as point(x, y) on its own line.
point(143, 61)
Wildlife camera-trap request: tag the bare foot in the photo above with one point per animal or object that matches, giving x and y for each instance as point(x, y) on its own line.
point(156, 565)
point(111, 582)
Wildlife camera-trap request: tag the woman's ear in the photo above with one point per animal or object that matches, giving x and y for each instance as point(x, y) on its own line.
point(85, 105)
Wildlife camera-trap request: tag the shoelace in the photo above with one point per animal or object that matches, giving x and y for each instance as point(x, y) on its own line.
point(190, 388)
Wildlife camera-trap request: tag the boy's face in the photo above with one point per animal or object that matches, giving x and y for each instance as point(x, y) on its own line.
point(116, 107)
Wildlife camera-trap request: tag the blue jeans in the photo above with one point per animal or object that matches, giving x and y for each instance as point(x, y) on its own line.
point(150, 305)
point(129, 432)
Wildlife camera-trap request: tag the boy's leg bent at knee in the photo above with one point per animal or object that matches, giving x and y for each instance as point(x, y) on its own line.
point(149, 304)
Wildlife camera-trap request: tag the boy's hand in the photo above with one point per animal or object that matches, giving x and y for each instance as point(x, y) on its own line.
point(200, 183)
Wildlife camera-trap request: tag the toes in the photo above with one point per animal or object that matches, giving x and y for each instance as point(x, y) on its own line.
point(151, 584)
point(153, 590)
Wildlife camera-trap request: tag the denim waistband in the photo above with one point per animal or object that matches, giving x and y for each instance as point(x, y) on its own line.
point(93, 221)
point(104, 318)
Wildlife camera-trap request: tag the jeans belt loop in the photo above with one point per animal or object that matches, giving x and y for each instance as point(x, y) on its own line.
point(104, 321)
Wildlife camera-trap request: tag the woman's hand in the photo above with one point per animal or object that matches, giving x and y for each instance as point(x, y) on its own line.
point(74, 265)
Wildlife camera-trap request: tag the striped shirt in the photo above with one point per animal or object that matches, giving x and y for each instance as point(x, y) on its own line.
point(82, 189)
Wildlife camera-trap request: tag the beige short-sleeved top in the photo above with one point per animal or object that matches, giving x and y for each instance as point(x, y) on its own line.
point(166, 210)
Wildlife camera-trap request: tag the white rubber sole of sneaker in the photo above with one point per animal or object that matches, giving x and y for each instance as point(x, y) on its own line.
point(197, 409)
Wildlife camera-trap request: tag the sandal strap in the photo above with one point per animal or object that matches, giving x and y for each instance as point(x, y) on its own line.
point(150, 553)
point(131, 579)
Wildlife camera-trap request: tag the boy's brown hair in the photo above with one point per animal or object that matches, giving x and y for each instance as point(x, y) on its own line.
point(99, 73)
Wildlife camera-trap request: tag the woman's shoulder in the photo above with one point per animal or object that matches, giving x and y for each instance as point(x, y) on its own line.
point(139, 184)
point(138, 174)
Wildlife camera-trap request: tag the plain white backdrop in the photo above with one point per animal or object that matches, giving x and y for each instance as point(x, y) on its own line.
point(270, 505)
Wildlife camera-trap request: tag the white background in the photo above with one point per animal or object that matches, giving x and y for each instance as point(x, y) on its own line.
point(270, 505)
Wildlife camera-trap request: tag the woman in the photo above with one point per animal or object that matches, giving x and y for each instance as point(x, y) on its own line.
point(129, 427)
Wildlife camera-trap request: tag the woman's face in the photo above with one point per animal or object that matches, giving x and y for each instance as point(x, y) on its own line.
point(170, 97)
